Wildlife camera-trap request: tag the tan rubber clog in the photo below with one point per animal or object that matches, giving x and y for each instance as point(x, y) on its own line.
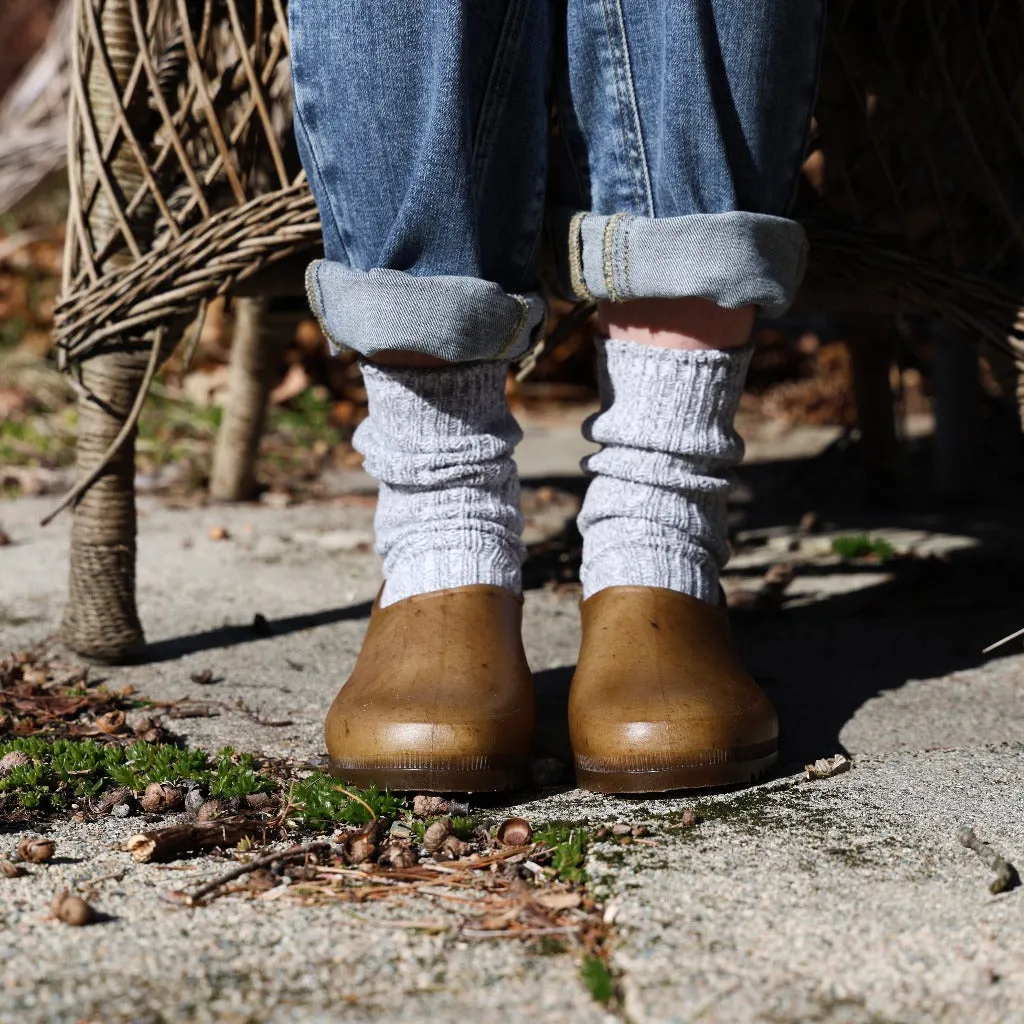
point(441, 698)
point(660, 701)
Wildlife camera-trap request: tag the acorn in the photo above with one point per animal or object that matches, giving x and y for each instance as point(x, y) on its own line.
point(36, 849)
point(148, 730)
point(514, 832)
point(453, 848)
point(110, 723)
point(15, 759)
point(436, 833)
point(210, 810)
point(362, 846)
point(9, 869)
point(424, 806)
point(72, 910)
point(161, 797)
point(112, 799)
point(397, 854)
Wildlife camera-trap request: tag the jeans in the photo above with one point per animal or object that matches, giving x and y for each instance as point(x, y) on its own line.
point(660, 142)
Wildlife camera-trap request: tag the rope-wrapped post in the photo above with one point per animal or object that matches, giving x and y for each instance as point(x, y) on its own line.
point(101, 620)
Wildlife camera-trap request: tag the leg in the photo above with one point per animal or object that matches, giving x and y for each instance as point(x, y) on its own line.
point(422, 127)
point(693, 117)
point(431, 231)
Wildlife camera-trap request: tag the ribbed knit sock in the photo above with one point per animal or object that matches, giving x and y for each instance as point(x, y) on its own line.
point(440, 442)
point(655, 511)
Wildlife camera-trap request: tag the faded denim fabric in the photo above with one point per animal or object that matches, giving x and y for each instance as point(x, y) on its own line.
point(424, 128)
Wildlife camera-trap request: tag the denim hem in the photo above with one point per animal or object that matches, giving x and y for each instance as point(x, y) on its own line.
point(458, 319)
point(733, 259)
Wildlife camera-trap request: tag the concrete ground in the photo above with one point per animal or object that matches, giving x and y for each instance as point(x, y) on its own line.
point(846, 901)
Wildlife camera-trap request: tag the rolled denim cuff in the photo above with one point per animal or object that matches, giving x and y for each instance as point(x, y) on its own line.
point(458, 319)
point(733, 259)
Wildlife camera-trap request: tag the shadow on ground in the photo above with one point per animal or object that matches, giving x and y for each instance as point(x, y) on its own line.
point(260, 629)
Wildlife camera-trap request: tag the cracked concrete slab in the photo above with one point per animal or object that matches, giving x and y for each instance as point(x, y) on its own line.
point(845, 901)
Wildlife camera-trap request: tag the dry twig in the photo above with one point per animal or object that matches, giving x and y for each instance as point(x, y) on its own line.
point(254, 865)
point(1007, 877)
point(171, 842)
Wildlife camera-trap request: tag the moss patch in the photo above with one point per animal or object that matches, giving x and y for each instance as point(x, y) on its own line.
point(321, 801)
point(598, 979)
point(860, 545)
point(569, 845)
point(62, 771)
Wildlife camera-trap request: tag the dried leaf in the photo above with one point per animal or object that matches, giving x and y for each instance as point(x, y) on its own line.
point(111, 723)
point(558, 900)
point(826, 767)
point(397, 853)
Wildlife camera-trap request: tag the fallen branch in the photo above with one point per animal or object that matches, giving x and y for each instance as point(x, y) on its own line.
point(173, 841)
point(254, 865)
point(1006, 874)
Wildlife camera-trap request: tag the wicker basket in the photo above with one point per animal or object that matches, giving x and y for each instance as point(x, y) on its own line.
point(185, 185)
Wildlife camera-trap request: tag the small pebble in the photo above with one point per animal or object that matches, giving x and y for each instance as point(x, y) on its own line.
point(194, 799)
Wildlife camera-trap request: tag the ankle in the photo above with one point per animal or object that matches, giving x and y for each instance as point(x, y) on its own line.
point(440, 443)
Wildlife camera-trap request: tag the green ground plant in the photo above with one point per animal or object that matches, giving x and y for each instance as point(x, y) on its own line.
point(320, 800)
point(598, 979)
point(568, 851)
point(63, 771)
point(861, 545)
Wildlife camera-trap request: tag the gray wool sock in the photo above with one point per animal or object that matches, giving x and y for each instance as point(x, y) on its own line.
point(440, 442)
point(655, 511)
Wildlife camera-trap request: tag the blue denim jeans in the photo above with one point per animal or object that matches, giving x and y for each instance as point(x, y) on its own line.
point(659, 140)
